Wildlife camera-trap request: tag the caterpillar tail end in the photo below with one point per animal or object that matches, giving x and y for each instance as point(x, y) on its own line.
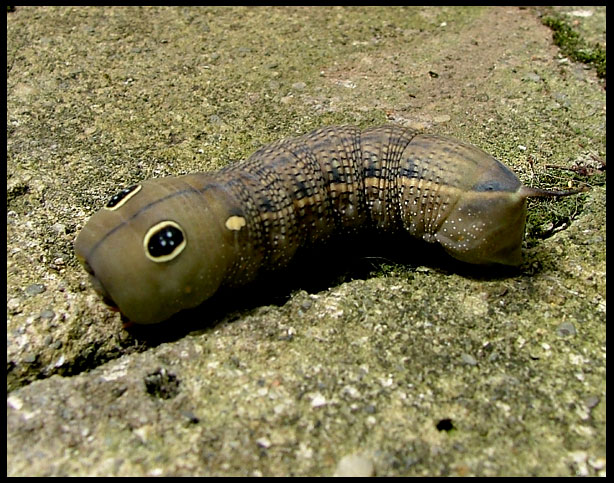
point(529, 192)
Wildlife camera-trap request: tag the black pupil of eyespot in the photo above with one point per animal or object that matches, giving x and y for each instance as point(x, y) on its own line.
point(115, 199)
point(164, 241)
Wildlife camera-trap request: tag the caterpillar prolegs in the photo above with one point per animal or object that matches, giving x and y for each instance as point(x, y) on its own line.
point(169, 244)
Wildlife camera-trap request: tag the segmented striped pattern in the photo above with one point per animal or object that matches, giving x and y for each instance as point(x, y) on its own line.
point(171, 243)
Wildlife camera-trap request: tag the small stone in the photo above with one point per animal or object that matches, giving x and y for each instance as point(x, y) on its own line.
point(357, 465)
point(469, 359)
point(306, 304)
point(58, 228)
point(215, 119)
point(14, 402)
point(263, 442)
point(13, 306)
point(60, 362)
point(29, 358)
point(532, 76)
point(597, 463)
point(318, 400)
point(35, 289)
point(592, 401)
point(581, 13)
point(565, 329)
point(441, 118)
point(47, 314)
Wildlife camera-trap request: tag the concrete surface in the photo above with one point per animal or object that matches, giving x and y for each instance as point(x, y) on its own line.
point(420, 368)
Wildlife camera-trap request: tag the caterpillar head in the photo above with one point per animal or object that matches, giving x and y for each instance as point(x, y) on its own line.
point(156, 248)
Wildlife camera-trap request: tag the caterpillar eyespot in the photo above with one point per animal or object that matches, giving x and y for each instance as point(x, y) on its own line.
point(118, 200)
point(169, 244)
point(164, 241)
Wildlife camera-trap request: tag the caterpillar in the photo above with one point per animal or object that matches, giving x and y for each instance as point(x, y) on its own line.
point(169, 244)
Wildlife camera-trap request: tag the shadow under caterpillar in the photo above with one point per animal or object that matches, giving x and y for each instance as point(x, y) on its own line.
point(169, 244)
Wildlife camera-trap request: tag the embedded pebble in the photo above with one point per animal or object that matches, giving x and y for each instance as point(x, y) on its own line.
point(263, 442)
point(318, 400)
point(357, 465)
point(566, 329)
point(35, 289)
point(592, 401)
point(13, 306)
point(532, 76)
point(469, 359)
point(58, 228)
point(47, 314)
point(215, 119)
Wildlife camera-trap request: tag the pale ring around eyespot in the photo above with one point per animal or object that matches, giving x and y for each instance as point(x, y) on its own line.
point(155, 229)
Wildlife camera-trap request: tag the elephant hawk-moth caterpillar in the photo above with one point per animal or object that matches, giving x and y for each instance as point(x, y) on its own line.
point(169, 244)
